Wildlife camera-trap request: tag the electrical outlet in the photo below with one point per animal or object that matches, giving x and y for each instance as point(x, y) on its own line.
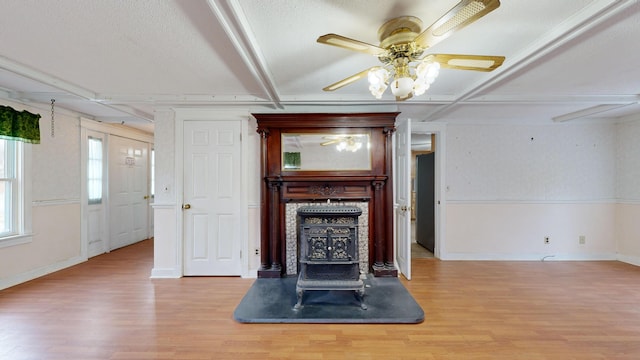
point(582, 240)
point(546, 239)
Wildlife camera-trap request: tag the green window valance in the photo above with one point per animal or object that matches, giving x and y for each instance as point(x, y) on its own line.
point(19, 125)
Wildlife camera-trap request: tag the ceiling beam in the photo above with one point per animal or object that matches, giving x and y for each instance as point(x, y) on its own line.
point(591, 16)
point(235, 24)
point(68, 91)
point(43, 78)
point(589, 111)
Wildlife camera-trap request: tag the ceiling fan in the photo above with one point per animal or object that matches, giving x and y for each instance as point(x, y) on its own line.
point(405, 66)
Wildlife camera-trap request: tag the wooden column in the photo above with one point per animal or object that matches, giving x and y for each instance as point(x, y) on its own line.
point(265, 264)
point(274, 220)
point(378, 228)
point(389, 260)
point(269, 268)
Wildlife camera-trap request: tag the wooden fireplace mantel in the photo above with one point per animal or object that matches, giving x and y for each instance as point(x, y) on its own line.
point(280, 186)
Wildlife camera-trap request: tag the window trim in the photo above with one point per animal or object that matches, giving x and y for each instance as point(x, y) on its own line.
point(23, 232)
point(96, 201)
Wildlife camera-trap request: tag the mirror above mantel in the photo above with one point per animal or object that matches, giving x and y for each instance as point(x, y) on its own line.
point(326, 152)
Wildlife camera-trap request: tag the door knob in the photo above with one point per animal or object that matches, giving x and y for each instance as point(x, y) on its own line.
point(146, 197)
point(186, 206)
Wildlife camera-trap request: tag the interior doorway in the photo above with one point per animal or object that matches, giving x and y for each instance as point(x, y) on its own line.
point(423, 221)
point(405, 174)
point(128, 161)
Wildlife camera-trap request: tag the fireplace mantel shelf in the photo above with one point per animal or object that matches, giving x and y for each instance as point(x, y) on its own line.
point(326, 178)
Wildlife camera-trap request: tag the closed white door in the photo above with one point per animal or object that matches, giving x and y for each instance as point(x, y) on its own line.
point(212, 198)
point(128, 191)
point(403, 197)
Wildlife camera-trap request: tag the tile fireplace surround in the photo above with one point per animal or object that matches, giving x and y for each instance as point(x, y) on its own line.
point(292, 233)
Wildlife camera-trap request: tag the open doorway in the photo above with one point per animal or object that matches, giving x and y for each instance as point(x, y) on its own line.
point(423, 221)
point(405, 181)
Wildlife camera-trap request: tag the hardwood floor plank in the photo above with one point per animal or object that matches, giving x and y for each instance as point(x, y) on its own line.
point(108, 308)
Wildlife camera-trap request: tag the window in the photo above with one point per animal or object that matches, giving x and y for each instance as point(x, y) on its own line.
point(15, 193)
point(8, 188)
point(94, 170)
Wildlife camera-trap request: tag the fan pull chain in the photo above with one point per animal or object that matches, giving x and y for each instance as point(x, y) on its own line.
point(53, 121)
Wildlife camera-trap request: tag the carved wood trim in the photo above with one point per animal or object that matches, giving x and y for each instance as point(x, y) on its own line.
point(280, 187)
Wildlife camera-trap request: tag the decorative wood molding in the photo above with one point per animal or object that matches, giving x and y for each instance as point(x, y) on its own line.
point(280, 186)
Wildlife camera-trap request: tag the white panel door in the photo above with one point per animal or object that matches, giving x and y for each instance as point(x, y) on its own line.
point(128, 193)
point(403, 197)
point(212, 198)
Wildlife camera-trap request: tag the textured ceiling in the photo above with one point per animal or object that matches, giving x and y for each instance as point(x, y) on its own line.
point(118, 61)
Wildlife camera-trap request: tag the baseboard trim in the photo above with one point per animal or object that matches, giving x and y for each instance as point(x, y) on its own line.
point(529, 257)
point(36, 273)
point(633, 260)
point(165, 273)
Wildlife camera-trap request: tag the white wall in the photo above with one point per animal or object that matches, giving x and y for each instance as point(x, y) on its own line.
point(55, 176)
point(507, 187)
point(166, 261)
point(168, 239)
point(628, 191)
point(511, 185)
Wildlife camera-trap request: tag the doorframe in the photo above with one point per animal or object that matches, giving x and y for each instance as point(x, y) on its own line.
point(151, 181)
point(108, 130)
point(439, 130)
point(181, 116)
point(113, 171)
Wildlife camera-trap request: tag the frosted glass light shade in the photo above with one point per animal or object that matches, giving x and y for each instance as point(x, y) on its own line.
point(402, 87)
point(378, 81)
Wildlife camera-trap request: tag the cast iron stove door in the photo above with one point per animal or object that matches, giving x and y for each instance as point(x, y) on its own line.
point(330, 244)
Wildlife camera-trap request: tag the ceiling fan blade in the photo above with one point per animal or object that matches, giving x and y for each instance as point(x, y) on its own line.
point(350, 44)
point(467, 62)
point(349, 80)
point(461, 15)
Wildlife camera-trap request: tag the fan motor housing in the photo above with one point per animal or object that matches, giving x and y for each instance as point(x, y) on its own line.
point(400, 30)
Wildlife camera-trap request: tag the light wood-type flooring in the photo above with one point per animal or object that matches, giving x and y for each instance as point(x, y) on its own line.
point(109, 308)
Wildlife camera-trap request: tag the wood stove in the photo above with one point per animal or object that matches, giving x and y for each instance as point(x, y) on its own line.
point(328, 245)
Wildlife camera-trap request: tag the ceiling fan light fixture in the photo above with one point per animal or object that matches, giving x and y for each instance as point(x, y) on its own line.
point(406, 68)
point(420, 88)
point(378, 80)
point(378, 76)
point(377, 91)
point(401, 87)
point(428, 70)
point(408, 79)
